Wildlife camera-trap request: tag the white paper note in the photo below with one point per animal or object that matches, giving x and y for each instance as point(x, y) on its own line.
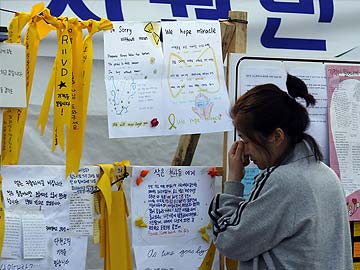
point(187, 257)
point(194, 89)
point(68, 252)
point(81, 213)
point(12, 75)
point(38, 188)
point(34, 236)
point(133, 67)
point(12, 237)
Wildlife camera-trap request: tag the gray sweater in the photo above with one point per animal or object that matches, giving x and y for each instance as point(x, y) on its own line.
point(294, 218)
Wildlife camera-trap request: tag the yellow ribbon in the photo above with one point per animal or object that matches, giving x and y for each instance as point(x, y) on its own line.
point(209, 258)
point(2, 217)
point(231, 264)
point(75, 129)
point(93, 27)
point(14, 119)
point(71, 80)
point(114, 238)
point(63, 84)
point(118, 240)
point(20, 20)
point(204, 234)
point(104, 184)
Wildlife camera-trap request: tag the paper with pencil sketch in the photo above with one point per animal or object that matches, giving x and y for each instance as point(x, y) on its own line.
point(133, 66)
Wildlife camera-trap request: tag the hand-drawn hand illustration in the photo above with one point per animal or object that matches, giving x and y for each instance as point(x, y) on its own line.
point(203, 106)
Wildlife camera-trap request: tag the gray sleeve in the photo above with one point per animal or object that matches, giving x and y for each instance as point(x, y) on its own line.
point(244, 229)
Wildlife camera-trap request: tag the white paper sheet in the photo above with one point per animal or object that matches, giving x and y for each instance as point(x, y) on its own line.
point(194, 89)
point(12, 75)
point(39, 188)
point(68, 252)
point(81, 211)
point(133, 67)
point(34, 236)
point(344, 116)
point(12, 236)
point(312, 74)
point(24, 264)
point(169, 258)
point(173, 203)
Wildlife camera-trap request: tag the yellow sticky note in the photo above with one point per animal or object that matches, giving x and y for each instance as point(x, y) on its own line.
point(356, 228)
point(356, 249)
point(356, 265)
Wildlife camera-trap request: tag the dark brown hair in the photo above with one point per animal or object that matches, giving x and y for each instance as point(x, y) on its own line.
point(266, 107)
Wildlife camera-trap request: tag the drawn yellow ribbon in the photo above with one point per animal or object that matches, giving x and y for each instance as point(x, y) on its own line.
point(149, 28)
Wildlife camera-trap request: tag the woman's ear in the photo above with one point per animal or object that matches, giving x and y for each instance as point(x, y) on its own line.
point(277, 137)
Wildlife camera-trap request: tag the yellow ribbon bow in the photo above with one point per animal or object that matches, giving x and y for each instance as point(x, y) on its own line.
point(149, 28)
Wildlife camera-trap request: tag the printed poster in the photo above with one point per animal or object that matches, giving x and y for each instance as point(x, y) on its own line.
point(343, 84)
point(255, 72)
point(344, 138)
point(169, 207)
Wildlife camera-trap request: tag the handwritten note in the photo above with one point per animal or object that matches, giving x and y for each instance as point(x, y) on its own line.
point(133, 67)
point(12, 75)
point(39, 188)
point(195, 95)
point(173, 203)
point(85, 181)
point(34, 236)
point(12, 237)
point(68, 252)
point(82, 200)
point(169, 258)
point(23, 264)
point(81, 214)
